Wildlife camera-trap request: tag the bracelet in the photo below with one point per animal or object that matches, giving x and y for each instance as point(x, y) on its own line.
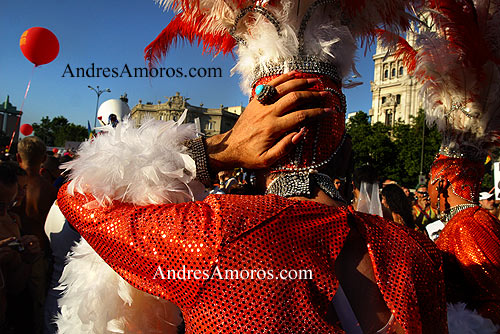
point(197, 151)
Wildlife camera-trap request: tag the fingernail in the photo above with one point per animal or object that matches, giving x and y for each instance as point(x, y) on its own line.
point(292, 73)
point(313, 80)
point(328, 110)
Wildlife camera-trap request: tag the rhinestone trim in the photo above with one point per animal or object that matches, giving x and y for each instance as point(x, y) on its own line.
point(300, 184)
point(446, 216)
point(306, 64)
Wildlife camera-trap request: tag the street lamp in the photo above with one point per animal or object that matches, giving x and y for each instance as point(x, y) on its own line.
point(98, 92)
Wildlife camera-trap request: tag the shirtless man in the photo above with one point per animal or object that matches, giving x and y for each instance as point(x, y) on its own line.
point(40, 194)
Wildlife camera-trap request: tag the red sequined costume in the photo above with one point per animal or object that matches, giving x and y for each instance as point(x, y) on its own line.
point(471, 242)
point(232, 232)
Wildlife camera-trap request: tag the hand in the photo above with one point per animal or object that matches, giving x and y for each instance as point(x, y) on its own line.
point(265, 133)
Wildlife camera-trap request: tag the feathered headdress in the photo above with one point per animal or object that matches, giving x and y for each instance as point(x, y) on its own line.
point(457, 58)
point(316, 38)
point(267, 30)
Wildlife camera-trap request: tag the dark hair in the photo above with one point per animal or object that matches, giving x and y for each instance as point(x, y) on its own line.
point(8, 174)
point(365, 173)
point(398, 203)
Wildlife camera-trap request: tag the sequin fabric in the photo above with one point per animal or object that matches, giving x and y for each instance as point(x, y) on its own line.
point(463, 174)
point(471, 245)
point(230, 232)
point(322, 138)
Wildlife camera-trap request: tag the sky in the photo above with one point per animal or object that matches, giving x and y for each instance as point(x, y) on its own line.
point(114, 33)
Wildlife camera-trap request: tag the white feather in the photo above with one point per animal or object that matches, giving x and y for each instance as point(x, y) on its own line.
point(96, 300)
point(143, 166)
point(464, 321)
point(448, 78)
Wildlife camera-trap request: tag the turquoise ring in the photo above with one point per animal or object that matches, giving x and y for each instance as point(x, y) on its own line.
point(266, 94)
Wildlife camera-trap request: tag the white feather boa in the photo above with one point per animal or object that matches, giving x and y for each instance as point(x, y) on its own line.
point(148, 165)
point(143, 166)
point(98, 301)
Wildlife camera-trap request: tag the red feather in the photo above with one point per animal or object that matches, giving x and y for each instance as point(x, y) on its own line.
point(458, 21)
point(177, 29)
point(403, 50)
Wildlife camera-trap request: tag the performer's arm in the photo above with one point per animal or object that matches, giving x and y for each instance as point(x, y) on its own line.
point(263, 134)
point(152, 247)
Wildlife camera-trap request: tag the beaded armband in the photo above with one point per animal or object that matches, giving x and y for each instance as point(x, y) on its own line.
point(197, 151)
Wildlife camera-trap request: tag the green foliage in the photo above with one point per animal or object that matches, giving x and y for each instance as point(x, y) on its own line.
point(488, 179)
point(394, 152)
point(57, 131)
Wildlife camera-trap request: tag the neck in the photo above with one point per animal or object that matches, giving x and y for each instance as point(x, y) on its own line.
point(453, 200)
point(32, 171)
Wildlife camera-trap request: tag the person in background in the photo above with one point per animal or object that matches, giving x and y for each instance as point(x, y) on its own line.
point(487, 202)
point(423, 213)
point(50, 169)
point(40, 195)
point(395, 205)
point(17, 254)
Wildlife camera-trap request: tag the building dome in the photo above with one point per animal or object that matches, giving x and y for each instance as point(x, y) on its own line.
point(113, 106)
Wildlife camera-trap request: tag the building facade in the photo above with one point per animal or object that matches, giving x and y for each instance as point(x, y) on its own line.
point(211, 121)
point(395, 93)
point(8, 119)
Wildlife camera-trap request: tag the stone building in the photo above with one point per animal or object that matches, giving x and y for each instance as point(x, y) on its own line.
point(8, 119)
point(211, 121)
point(395, 93)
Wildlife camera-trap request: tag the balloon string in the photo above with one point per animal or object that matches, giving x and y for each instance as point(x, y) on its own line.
point(21, 110)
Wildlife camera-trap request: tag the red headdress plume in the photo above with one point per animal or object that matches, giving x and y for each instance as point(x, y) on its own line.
point(457, 59)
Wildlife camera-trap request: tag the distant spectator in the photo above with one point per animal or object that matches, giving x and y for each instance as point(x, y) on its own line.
point(40, 194)
point(339, 183)
point(396, 206)
point(387, 182)
point(423, 214)
point(487, 202)
point(17, 253)
point(50, 169)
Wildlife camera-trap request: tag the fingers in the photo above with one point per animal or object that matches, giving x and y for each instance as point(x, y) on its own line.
point(293, 100)
point(296, 85)
point(295, 119)
point(282, 78)
point(279, 150)
point(299, 136)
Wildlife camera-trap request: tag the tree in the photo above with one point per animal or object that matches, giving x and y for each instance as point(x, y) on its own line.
point(371, 144)
point(57, 131)
point(394, 152)
point(408, 141)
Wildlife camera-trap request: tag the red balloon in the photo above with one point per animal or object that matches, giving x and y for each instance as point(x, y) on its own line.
point(39, 45)
point(26, 129)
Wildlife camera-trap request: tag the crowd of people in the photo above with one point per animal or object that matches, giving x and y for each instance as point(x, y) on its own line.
point(29, 186)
